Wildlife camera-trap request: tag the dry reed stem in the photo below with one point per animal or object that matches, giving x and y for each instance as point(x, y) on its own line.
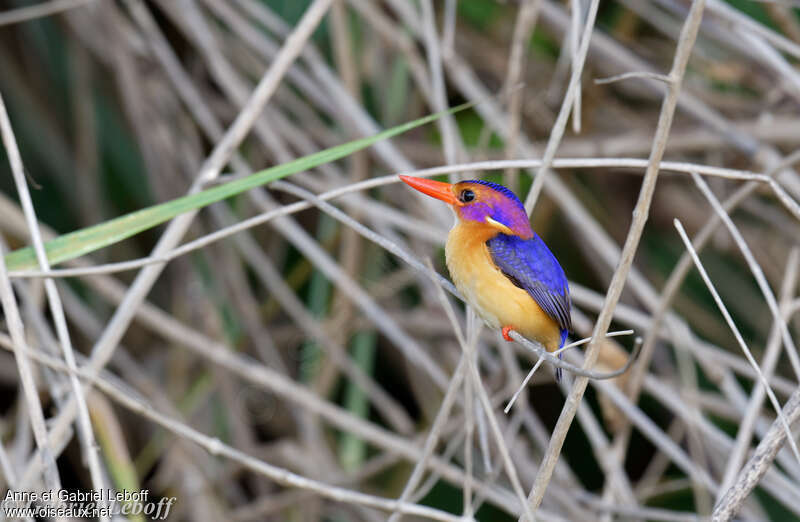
point(316, 106)
point(679, 167)
point(24, 14)
point(88, 445)
point(215, 447)
point(768, 363)
point(640, 214)
point(570, 98)
point(16, 329)
point(759, 462)
point(115, 329)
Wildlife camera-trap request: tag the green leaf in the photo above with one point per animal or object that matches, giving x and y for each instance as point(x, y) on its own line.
point(87, 240)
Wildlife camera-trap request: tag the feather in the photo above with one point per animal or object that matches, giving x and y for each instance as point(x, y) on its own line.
point(499, 188)
point(530, 265)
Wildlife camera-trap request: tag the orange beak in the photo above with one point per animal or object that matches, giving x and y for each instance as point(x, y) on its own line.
point(434, 189)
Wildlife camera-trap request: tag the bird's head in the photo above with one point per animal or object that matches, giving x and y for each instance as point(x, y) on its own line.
point(479, 202)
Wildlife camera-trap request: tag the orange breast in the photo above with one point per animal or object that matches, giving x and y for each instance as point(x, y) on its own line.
point(496, 299)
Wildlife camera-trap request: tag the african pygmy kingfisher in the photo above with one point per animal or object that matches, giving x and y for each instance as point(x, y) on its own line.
point(500, 266)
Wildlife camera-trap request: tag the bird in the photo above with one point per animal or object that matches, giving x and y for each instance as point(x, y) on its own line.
point(502, 268)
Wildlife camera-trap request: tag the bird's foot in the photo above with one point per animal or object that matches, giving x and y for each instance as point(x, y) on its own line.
point(505, 330)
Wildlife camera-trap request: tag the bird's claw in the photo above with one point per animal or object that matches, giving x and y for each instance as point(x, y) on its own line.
point(505, 330)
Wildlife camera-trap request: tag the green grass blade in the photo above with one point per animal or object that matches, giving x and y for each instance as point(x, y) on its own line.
point(90, 239)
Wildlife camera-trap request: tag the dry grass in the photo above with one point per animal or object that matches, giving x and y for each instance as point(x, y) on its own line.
point(292, 354)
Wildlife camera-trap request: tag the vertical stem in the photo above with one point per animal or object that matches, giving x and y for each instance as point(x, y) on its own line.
point(640, 214)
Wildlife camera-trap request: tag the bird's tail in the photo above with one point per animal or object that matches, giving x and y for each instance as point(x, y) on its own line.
point(561, 355)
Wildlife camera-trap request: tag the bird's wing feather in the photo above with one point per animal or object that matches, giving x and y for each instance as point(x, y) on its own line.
point(530, 265)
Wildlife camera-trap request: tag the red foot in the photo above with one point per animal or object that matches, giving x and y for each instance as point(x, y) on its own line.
point(507, 329)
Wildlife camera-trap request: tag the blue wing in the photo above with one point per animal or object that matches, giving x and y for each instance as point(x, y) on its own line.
point(530, 265)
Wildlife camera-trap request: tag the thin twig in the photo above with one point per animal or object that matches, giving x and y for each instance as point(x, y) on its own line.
point(529, 376)
point(758, 273)
point(739, 339)
point(216, 447)
point(450, 137)
point(566, 106)
point(542, 353)
point(768, 363)
point(433, 437)
point(116, 327)
point(84, 423)
point(16, 329)
point(23, 14)
point(680, 167)
point(523, 27)
point(674, 281)
point(478, 386)
point(759, 463)
point(626, 76)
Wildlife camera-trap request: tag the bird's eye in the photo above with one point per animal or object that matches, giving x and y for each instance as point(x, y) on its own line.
point(466, 196)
